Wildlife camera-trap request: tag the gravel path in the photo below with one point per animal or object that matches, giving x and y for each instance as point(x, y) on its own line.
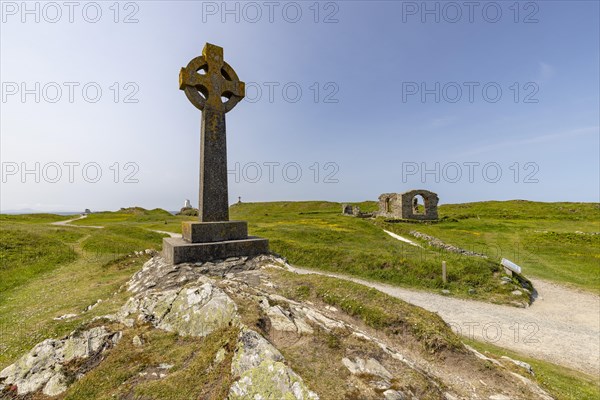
point(562, 326)
point(171, 234)
point(68, 223)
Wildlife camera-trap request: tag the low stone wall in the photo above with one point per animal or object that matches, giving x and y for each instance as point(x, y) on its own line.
point(435, 242)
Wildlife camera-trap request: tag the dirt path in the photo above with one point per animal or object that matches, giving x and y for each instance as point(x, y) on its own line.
point(402, 239)
point(68, 223)
point(562, 326)
point(171, 234)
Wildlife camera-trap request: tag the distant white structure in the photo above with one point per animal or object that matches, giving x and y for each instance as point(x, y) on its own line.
point(187, 204)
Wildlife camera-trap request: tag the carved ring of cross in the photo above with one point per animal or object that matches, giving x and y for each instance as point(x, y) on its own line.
point(219, 80)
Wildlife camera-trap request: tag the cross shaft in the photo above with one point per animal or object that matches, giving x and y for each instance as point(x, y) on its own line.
point(205, 92)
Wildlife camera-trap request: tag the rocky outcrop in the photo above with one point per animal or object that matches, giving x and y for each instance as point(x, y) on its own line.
point(184, 299)
point(261, 372)
point(197, 310)
point(43, 367)
point(197, 300)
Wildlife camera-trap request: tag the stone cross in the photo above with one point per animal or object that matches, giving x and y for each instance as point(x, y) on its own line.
point(214, 88)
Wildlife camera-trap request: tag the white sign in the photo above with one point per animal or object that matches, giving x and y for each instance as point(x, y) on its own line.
point(510, 265)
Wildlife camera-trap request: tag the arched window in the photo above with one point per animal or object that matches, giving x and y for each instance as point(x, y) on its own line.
point(418, 205)
point(388, 205)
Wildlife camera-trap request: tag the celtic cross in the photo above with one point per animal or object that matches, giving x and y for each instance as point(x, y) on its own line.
point(213, 87)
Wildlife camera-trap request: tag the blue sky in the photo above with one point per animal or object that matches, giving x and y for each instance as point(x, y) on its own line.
point(498, 102)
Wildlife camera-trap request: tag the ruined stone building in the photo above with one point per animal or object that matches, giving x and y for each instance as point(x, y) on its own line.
point(405, 205)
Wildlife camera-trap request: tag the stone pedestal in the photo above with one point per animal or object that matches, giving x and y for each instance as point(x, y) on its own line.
point(206, 241)
point(176, 250)
point(201, 232)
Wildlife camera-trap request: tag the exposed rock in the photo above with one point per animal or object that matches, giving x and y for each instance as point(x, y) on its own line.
point(481, 356)
point(262, 373)
point(393, 395)
point(191, 311)
point(533, 387)
point(521, 364)
point(66, 316)
point(92, 306)
point(56, 385)
point(157, 274)
point(280, 321)
point(318, 318)
point(137, 341)
point(41, 367)
point(270, 380)
point(220, 356)
point(369, 367)
point(285, 320)
point(252, 349)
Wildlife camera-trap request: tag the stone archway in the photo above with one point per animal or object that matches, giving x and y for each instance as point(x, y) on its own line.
point(429, 206)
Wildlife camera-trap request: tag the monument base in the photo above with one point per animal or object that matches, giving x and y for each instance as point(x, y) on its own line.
point(177, 250)
point(220, 231)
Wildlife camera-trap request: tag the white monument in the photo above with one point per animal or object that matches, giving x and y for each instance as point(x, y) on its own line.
point(187, 204)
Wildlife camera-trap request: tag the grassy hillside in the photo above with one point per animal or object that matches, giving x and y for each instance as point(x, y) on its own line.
point(553, 241)
point(47, 271)
point(316, 235)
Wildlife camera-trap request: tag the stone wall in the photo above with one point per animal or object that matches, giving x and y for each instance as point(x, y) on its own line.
point(390, 205)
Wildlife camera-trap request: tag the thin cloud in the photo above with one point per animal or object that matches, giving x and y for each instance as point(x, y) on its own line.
point(546, 72)
point(441, 122)
point(533, 140)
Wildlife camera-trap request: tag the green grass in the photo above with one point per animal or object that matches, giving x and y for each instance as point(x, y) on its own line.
point(33, 218)
point(156, 219)
point(27, 311)
point(25, 254)
point(561, 382)
point(47, 271)
point(540, 237)
point(121, 239)
point(316, 235)
point(194, 374)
